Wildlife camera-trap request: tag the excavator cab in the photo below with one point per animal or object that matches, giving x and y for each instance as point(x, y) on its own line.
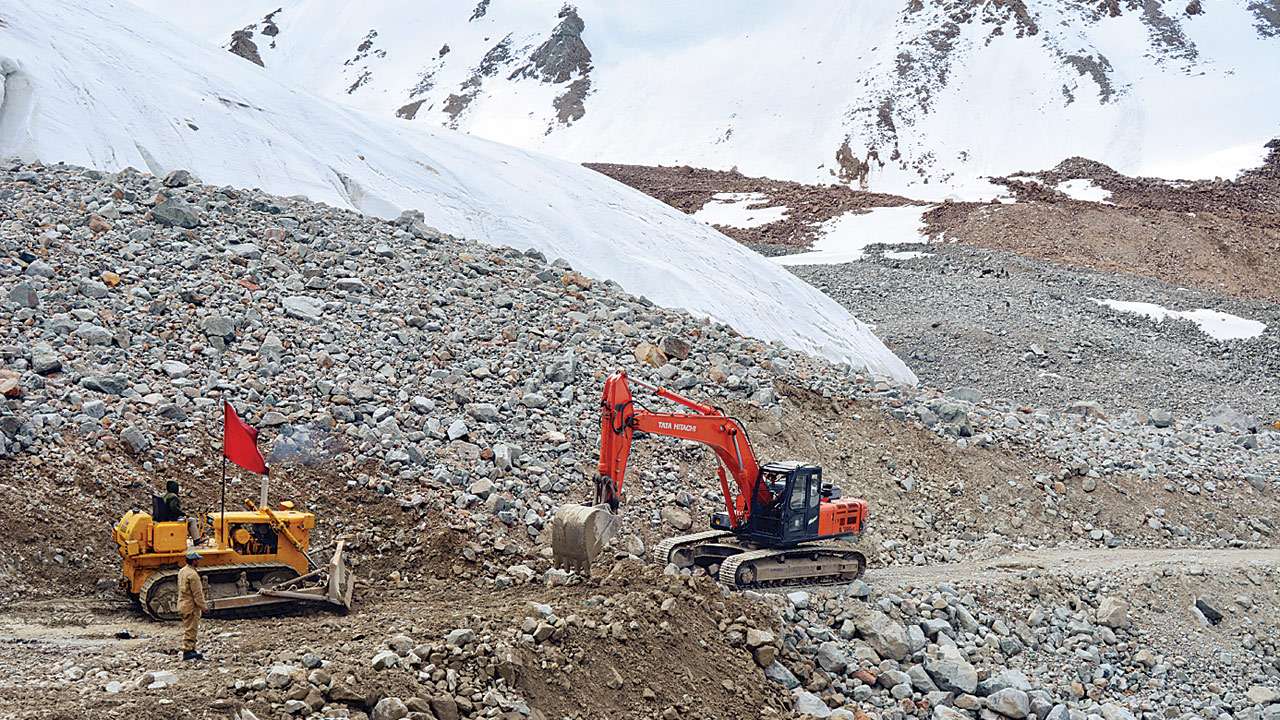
point(792, 514)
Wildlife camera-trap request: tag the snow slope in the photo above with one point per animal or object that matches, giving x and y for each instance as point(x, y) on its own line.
point(103, 84)
point(921, 99)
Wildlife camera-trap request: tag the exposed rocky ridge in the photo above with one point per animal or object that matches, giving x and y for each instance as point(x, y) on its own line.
point(918, 62)
point(243, 44)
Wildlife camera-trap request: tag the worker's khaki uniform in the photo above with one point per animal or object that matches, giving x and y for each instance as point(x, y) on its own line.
point(190, 604)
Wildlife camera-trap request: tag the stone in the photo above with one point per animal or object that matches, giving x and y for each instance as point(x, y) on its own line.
point(951, 672)
point(280, 676)
point(1210, 613)
point(98, 224)
point(799, 599)
point(385, 659)
point(1111, 711)
point(756, 638)
point(942, 712)
point(175, 369)
point(806, 703)
point(445, 708)
point(44, 360)
point(135, 440)
point(1262, 695)
point(176, 212)
point(39, 268)
point(831, 657)
point(93, 289)
point(481, 488)
point(649, 354)
point(886, 637)
point(764, 655)
point(459, 637)
point(1006, 678)
point(457, 430)
point(777, 672)
point(24, 295)
point(1160, 418)
point(179, 178)
point(303, 307)
point(389, 708)
point(1010, 702)
point(93, 334)
point(677, 518)
point(1112, 612)
point(675, 347)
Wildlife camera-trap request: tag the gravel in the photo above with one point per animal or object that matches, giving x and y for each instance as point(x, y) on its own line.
point(1027, 330)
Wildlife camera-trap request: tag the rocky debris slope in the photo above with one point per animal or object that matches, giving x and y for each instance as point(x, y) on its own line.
point(176, 104)
point(415, 360)
point(1179, 641)
point(1035, 333)
point(433, 400)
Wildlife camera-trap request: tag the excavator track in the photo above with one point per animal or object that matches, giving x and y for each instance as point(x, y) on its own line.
point(153, 593)
point(818, 564)
point(662, 552)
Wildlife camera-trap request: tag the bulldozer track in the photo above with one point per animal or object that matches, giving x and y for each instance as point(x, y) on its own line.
point(144, 592)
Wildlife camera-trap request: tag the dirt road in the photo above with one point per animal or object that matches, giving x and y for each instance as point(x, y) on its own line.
point(1076, 562)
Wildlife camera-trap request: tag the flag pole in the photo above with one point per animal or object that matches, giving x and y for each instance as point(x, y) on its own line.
point(224, 469)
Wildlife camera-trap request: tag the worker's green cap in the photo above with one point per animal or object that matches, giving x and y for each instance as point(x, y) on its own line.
point(192, 554)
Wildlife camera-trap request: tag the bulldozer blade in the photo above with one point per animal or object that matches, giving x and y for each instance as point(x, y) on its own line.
point(579, 533)
point(341, 580)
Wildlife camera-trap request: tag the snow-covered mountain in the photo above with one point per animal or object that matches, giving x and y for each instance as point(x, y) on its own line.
point(104, 84)
point(919, 97)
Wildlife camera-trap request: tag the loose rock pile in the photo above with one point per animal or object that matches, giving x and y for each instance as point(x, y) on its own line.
point(408, 382)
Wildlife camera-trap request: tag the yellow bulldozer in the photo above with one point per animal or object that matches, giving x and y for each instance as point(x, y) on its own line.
point(250, 558)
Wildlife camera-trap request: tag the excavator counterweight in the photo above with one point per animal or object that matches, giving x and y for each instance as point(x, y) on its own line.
point(781, 523)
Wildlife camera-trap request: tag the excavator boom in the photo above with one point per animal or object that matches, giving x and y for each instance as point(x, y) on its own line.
point(620, 419)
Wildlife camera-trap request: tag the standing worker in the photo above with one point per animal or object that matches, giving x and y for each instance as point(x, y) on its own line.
point(191, 604)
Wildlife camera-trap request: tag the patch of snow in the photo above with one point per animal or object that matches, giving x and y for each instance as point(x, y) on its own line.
point(1086, 190)
point(906, 254)
point(112, 86)
point(734, 210)
point(1224, 163)
point(845, 238)
point(1030, 179)
point(1214, 323)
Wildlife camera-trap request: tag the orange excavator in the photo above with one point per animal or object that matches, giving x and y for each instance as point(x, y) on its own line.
point(781, 524)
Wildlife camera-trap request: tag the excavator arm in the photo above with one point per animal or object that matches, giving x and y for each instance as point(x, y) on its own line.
point(620, 419)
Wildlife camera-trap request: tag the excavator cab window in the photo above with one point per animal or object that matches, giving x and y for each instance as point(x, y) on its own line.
point(805, 495)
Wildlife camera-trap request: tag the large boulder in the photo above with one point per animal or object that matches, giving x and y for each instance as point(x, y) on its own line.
point(951, 672)
point(1112, 612)
point(389, 708)
point(176, 212)
point(832, 658)
point(1010, 702)
point(808, 704)
point(886, 637)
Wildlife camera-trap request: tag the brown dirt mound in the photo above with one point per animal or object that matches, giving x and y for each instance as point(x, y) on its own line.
point(688, 189)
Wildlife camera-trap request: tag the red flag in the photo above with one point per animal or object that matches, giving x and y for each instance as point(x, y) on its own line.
point(239, 441)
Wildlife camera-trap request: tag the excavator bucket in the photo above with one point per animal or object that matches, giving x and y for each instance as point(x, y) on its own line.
point(579, 533)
